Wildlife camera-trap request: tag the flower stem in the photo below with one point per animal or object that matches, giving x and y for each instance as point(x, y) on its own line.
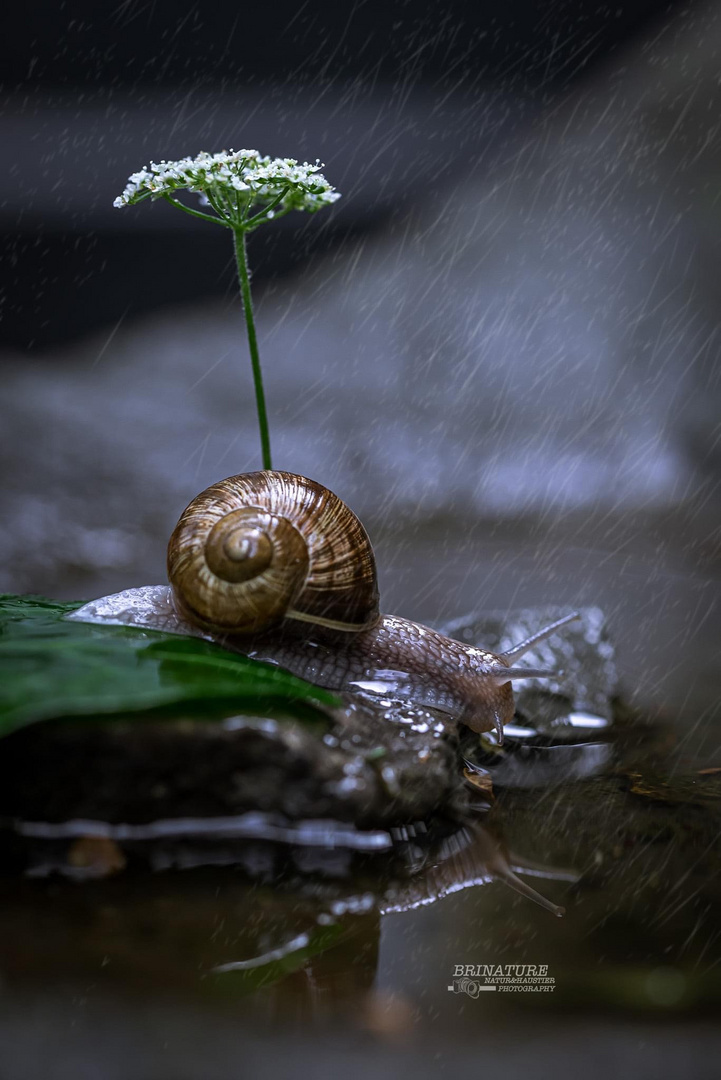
point(194, 213)
point(263, 214)
point(244, 279)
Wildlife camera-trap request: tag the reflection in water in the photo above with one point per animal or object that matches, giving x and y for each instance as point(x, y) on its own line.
point(241, 932)
point(294, 930)
point(295, 924)
point(295, 945)
point(550, 766)
point(256, 825)
point(471, 857)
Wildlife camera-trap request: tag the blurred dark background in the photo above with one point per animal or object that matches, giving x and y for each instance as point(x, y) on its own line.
point(418, 91)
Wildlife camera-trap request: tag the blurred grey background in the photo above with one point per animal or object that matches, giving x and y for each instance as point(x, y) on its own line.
point(499, 347)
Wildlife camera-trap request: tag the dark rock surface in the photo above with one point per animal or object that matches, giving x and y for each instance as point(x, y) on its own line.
point(374, 768)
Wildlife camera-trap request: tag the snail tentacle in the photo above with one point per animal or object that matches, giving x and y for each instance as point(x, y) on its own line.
point(503, 674)
point(517, 651)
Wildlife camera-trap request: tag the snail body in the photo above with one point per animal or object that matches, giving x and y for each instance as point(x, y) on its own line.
point(278, 567)
point(406, 659)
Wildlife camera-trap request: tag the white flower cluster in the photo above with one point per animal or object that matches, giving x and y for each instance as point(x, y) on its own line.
point(232, 181)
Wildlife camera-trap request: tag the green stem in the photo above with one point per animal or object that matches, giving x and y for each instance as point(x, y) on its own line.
point(262, 216)
point(193, 213)
point(244, 278)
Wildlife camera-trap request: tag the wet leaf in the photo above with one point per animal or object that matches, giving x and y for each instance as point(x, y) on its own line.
point(51, 668)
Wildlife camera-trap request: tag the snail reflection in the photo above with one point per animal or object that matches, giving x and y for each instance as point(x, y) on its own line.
point(259, 925)
point(472, 857)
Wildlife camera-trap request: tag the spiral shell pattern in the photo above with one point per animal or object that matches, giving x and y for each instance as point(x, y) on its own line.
point(258, 548)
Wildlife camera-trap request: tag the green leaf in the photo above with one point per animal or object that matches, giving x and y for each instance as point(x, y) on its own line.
point(51, 668)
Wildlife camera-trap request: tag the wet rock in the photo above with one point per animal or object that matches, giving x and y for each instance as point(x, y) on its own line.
point(375, 768)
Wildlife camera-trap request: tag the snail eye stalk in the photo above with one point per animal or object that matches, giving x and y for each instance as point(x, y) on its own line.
point(517, 651)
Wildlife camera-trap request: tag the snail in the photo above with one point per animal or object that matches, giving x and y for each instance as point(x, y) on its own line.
point(276, 565)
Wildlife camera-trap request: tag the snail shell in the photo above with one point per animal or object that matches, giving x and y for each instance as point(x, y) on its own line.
point(260, 548)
